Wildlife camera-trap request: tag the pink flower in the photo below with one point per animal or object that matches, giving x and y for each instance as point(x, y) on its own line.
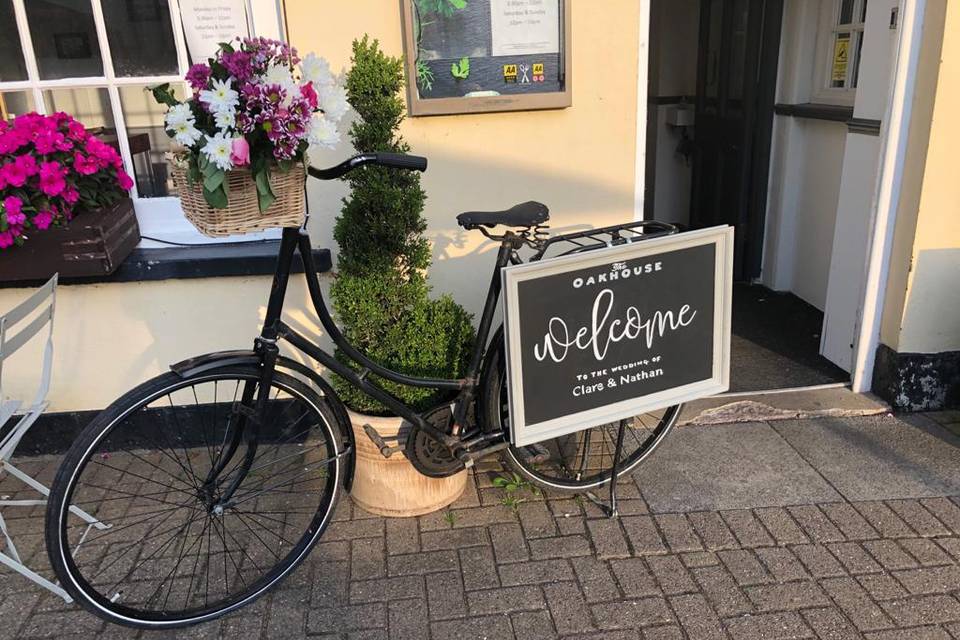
point(11, 139)
point(6, 239)
point(28, 164)
point(13, 174)
point(71, 195)
point(85, 165)
point(13, 205)
point(310, 94)
point(76, 130)
point(43, 219)
point(126, 183)
point(240, 152)
point(52, 176)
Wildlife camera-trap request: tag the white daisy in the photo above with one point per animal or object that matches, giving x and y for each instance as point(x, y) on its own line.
point(323, 132)
point(179, 114)
point(315, 69)
point(221, 97)
point(333, 102)
point(218, 149)
point(185, 133)
point(225, 119)
point(280, 74)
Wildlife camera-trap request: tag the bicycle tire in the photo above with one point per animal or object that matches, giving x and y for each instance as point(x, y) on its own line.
point(68, 476)
point(496, 416)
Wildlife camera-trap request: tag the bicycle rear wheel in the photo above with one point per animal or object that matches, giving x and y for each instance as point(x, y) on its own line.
point(163, 549)
point(578, 461)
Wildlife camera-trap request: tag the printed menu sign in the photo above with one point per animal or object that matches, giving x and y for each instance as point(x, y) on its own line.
point(524, 27)
point(207, 23)
point(608, 334)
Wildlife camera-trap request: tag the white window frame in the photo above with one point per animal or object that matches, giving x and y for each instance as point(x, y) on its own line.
point(829, 27)
point(162, 217)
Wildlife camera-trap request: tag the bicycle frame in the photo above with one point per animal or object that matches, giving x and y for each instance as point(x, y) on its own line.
point(274, 329)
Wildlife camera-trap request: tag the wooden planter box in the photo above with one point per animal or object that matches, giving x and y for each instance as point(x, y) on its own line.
point(95, 243)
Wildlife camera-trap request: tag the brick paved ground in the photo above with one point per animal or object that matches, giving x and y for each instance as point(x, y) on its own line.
point(882, 568)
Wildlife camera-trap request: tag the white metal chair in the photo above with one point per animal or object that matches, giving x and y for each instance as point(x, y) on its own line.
point(17, 327)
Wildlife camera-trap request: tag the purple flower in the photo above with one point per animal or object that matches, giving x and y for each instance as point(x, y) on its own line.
point(198, 76)
point(238, 65)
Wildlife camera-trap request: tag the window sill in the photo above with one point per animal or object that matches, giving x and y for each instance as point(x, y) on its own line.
point(204, 261)
point(814, 111)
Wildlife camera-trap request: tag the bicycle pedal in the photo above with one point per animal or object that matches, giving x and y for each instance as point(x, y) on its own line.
point(534, 454)
point(385, 450)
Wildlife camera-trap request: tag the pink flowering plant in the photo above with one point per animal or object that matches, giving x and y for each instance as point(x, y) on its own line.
point(51, 168)
point(256, 105)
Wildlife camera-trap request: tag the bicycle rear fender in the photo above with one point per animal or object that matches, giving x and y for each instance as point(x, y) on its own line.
point(200, 364)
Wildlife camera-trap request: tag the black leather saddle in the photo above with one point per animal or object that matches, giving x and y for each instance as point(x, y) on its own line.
point(527, 214)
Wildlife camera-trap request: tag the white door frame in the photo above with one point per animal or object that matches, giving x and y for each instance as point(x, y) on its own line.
point(895, 135)
point(896, 126)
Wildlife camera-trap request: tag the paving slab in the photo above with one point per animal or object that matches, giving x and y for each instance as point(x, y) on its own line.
point(736, 466)
point(879, 457)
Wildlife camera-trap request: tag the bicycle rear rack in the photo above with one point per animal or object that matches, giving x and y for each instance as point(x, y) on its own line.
point(612, 236)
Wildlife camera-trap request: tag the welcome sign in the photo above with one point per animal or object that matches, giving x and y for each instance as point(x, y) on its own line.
point(608, 334)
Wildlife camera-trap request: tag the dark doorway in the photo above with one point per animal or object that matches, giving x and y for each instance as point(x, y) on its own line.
point(736, 83)
point(776, 342)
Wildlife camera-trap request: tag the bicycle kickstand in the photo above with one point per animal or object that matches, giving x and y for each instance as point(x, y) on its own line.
point(610, 508)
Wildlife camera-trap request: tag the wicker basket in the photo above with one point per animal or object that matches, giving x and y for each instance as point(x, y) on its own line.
point(242, 214)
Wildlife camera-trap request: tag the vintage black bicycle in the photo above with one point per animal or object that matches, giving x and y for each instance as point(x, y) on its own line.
point(213, 481)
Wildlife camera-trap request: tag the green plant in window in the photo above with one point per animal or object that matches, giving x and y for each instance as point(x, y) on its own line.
point(424, 76)
point(445, 8)
point(461, 70)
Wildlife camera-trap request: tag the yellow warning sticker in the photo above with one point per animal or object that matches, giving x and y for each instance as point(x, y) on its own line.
point(841, 57)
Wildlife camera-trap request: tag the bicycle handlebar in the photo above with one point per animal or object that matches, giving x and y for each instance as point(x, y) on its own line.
point(393, 160)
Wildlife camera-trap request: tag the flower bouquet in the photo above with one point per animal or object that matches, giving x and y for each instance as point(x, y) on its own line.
point(50, 169)
point(256, 112)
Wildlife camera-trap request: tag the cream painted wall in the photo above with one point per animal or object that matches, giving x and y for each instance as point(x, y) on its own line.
point(928, 310)
point(109, 337)
point(578, 161)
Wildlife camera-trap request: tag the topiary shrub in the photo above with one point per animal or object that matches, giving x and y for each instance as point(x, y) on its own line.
point(381, 294)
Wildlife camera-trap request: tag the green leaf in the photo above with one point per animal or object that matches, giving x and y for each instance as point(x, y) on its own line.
point(214, 179)
point(226, 47)
point(163, 95)
point(461, 70)
point(499, 482)
point(458, 4)
point(216, 198)
point(265, 195)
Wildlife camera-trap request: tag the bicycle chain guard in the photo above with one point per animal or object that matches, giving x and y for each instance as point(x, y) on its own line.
point(428, 456)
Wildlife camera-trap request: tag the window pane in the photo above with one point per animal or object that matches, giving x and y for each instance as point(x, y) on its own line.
point(11, 55)
point(90, 106)
point(863, 11)
point(64, 38)
point(15, 103)
point(846, 12)
point(840, 60)
point(141, 38)
point(148, 141)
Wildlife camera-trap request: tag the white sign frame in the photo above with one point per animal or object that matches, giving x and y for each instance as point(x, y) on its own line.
point(523, 434)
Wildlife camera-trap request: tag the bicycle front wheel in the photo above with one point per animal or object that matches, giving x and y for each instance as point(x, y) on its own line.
point(579, 461)
point(137, 529)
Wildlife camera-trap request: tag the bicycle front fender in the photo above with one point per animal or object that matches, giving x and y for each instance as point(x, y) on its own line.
point(203, 363)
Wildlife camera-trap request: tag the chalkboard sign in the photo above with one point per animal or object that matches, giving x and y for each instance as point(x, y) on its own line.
point(467, 56)
point(608, 334)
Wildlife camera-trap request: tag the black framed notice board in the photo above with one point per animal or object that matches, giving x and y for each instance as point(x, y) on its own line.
point(468, 56)
point(605, 335)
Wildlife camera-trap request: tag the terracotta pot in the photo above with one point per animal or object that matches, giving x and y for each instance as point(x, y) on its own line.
point(391, 486)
